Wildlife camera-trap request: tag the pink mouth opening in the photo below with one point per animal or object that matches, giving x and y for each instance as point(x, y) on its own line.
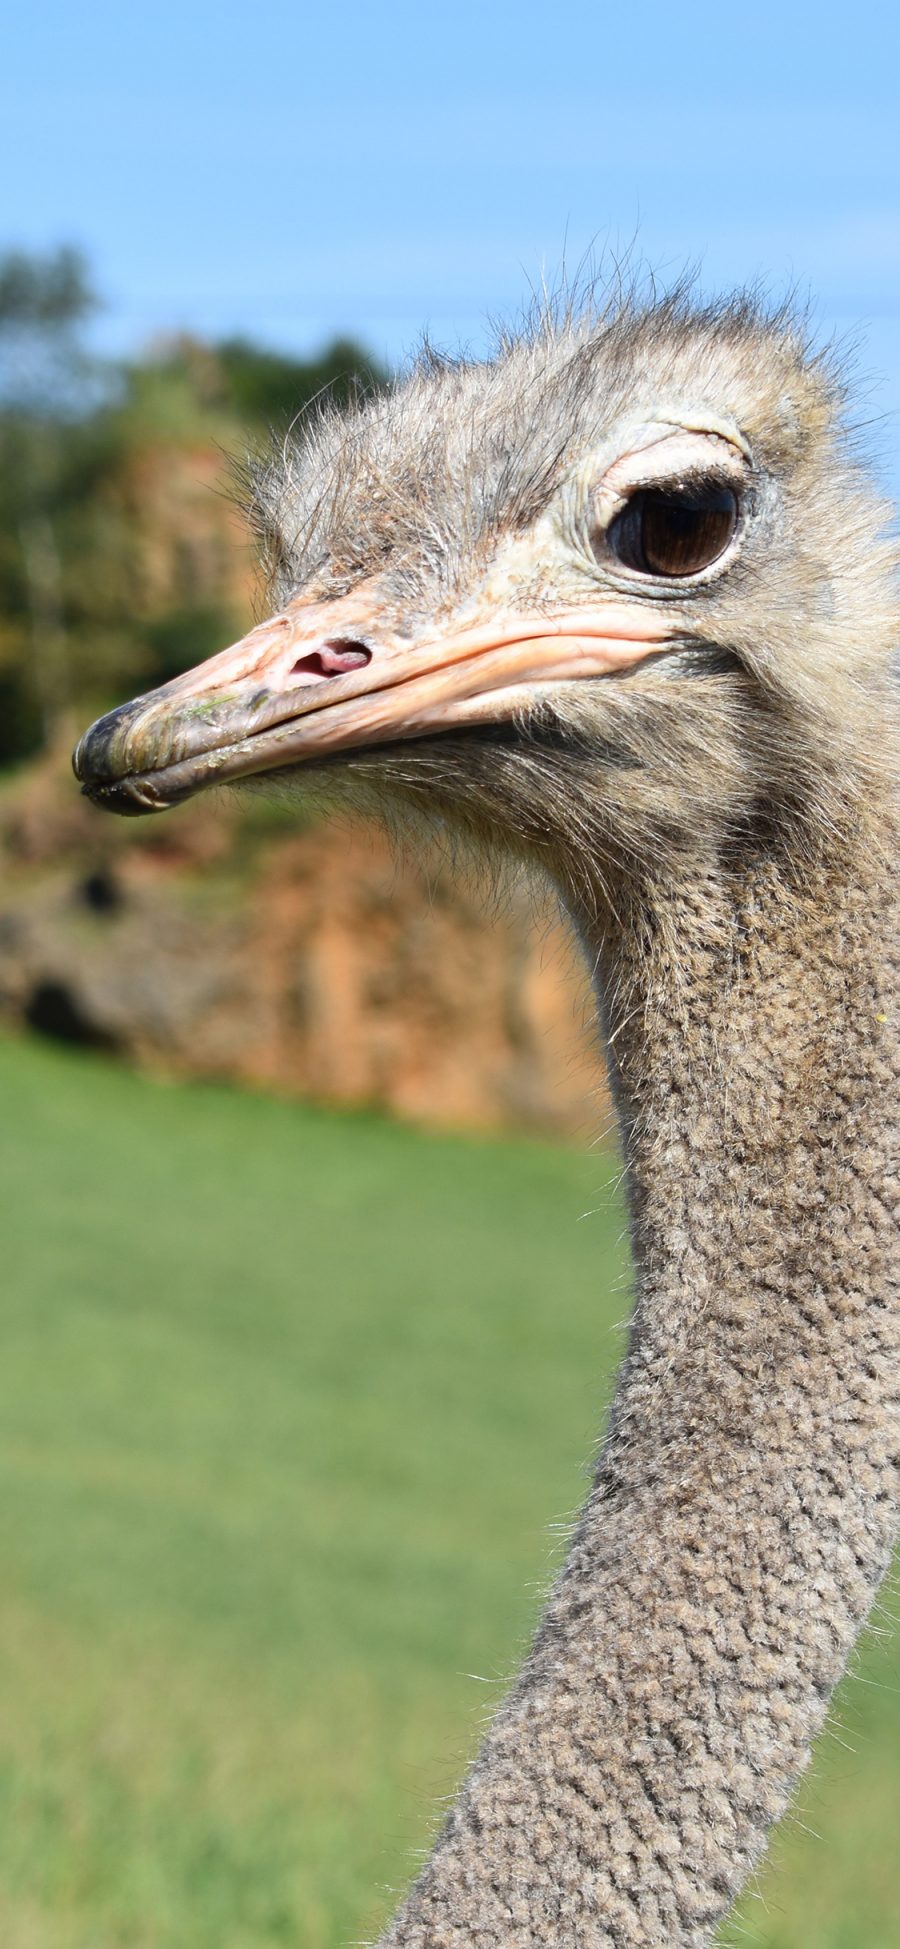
point(332, 659)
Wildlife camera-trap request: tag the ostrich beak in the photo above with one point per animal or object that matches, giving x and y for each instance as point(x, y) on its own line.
point(323, 678)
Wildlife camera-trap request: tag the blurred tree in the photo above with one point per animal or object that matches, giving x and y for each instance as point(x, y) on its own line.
point(43, 302)
point(121, 560)
point(270, 387)
point(45, 383)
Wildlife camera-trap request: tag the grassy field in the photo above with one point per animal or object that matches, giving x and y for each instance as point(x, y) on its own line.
point(290, 1405)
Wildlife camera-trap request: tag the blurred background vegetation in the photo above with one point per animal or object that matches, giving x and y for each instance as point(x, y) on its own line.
point(295, 1399)
point(117, 564)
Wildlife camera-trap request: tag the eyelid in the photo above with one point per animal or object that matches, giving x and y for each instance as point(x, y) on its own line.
point(693, 481)
point(668, 454)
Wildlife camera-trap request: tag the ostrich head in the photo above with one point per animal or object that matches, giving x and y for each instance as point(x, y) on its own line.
point(616, 591)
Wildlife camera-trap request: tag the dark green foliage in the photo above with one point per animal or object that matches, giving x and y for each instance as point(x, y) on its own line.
point(44, 292)
point(271, 388)
point(21, 730)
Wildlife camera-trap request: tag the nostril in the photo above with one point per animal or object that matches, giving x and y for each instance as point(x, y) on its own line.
point(333, 659)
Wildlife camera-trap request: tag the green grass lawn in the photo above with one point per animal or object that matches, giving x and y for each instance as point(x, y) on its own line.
point(292, 1406)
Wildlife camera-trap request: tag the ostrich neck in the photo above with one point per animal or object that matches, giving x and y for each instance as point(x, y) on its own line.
point(745, 1501)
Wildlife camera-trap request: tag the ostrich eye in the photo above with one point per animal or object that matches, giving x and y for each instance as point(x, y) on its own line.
point(675, 530)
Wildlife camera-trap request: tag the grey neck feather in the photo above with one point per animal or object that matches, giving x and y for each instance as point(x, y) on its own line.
point(745, 1501)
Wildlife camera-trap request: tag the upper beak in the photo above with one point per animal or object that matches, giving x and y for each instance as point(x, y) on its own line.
point(329, 677)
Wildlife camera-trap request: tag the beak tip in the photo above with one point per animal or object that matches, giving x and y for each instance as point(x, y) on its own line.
point(103, 763)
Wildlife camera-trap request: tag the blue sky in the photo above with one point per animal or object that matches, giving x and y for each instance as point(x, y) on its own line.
point(292, 171)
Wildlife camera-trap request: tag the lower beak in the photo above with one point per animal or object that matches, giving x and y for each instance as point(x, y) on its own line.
point(321, 678)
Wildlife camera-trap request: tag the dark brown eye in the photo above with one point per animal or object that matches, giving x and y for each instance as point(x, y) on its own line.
point(674, 530)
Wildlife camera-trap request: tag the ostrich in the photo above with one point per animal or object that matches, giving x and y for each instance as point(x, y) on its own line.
point(618, 600)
